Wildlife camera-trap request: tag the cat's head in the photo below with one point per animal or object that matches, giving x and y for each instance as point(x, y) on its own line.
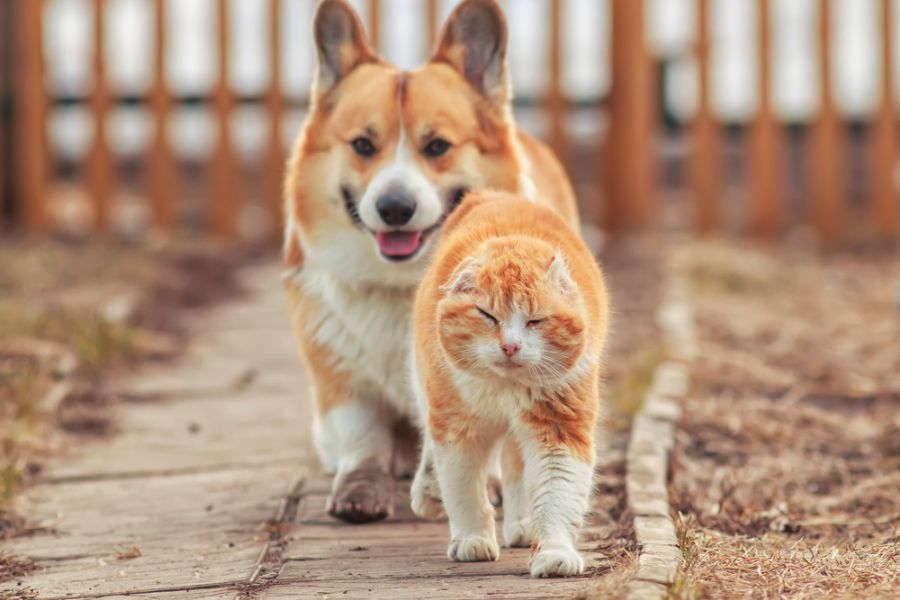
point(513, 311)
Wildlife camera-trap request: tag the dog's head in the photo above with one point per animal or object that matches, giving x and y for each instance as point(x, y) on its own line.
point(386, 155)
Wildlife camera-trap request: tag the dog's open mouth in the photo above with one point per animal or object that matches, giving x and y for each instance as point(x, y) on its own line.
point(399, 245)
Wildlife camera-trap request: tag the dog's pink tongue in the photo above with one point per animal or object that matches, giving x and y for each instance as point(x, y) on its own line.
point(399, 243)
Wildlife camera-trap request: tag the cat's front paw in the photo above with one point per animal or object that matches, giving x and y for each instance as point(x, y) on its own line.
point(557, 562)
point(518, 534)
point(474, 548)
point(425, 497)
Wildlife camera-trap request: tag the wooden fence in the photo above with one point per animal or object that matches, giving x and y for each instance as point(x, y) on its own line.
point(631, 196)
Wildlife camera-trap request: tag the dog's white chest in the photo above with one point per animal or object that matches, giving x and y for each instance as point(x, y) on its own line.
point(368, 330)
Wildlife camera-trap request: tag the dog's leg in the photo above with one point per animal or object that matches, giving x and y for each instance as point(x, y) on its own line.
point(355, 438)
point(352, 433)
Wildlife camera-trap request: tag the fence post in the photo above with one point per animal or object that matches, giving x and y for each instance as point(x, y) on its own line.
point(161, 171)
point(630, 170)
point(375, 24)
point(826, 172)
point(100, 174)
point(5, 51)
point(431, 24)
point(29, 137)
point(556, 97)
point(275, 101)
point(765, 146)
point(224, 170)
point(883, 204)
point(705, 155)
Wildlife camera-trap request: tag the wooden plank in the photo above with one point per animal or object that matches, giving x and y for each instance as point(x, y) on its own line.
point(630, 152)
point(162, 172)
point(194, 529)
point(29, 139)
point(224, 168)
point(556, 99)
point(883, 204)
point(706, 154)
point(375, 24)
point(191, 482)
point(402, 556)
point(275, 103)
point(827, 180)
point(766, 143)
point(100, 168)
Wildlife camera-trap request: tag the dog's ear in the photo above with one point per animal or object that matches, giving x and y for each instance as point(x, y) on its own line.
point(474, 43)
point(341, 44)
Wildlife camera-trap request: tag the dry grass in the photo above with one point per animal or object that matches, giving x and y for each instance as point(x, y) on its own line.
point(779, 566)
point(626, 392)
point(12, 567)
point(633, 275)
point(787, 461)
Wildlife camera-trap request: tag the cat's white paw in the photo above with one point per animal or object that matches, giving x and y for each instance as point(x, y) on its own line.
point(557, 562)
point(518, 534)
point(474, 548)
point(425, 497)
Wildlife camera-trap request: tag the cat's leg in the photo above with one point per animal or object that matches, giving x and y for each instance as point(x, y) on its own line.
point(495, 478)
point(462, 472)
point(517, 527)
point(406, 449)
point(425, 493)
point(559, 478)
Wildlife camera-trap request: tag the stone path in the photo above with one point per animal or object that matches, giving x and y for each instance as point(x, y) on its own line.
point(211, 477)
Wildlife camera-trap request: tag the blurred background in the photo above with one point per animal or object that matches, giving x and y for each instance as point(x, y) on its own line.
point(745, 116)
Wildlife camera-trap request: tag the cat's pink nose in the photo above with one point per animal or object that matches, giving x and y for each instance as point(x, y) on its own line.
point(511, 348)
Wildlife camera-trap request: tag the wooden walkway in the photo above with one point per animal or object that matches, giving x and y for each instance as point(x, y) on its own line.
point(211, 477)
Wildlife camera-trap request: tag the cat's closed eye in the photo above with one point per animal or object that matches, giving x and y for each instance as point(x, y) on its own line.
point(488, 316)
point(534, 322)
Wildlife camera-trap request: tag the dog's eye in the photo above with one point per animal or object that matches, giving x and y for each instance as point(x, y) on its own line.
point(488, 316)
point(436, 148)
point(364, 147)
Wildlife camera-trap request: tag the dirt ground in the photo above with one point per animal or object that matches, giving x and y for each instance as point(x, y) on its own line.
point(786, 472)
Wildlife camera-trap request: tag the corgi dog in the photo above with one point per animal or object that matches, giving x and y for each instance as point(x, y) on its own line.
point(384, 158)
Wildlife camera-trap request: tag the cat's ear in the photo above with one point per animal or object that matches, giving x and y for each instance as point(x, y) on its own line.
point(560, 276)
point(340, 42)
point(463, 278)
point(474, 43)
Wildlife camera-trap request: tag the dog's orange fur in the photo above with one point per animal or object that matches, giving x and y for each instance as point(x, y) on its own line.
point(342, 293)
point(434, 99)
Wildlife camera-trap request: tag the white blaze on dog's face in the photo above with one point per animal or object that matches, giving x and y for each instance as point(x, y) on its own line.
point(394, 152)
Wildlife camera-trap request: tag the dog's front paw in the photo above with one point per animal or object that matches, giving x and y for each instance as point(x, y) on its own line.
point(557, 562)
point(518, 534)
point(474, 548)
point(362, 496)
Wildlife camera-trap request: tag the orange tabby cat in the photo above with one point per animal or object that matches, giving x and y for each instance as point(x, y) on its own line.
point(509, 327)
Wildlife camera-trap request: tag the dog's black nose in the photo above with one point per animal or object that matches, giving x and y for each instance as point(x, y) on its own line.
point(396, 208)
